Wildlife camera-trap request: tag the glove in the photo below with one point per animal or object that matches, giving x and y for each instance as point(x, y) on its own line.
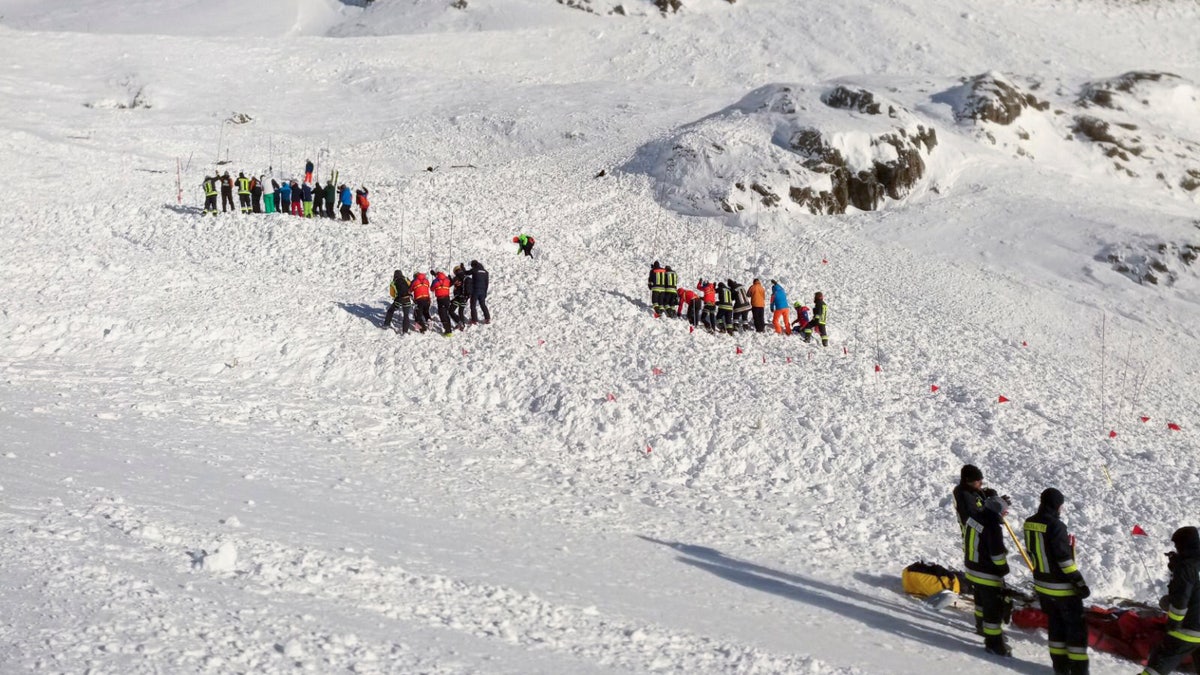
point(1082, 589)
point(1172, 557)
point(988, 492)
point(1007, 499)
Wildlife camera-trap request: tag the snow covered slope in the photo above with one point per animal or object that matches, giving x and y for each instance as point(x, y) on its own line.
point(214, 460)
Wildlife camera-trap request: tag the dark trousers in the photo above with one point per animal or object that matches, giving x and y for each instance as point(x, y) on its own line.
point(364, 217)
point(458, 311)
point(256, 200)
point(444, 315)
point(346, 215)
point(329, 209)
point(210, 204)
point(820, 328)
point(725, 318)
point(742, 319)
point(527, 249)
point(989, 612)
point(1068, 634)
point(708, 316)
point(482, 303)
point(244, 201)
point(695, 307)
point(403, 305)
point(287, 206)
point(421, 313)
point(760, 323)
point(227, 199)
point(1168, 655)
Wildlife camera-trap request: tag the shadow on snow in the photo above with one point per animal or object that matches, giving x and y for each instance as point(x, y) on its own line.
point(860, 607)
point(372, 313)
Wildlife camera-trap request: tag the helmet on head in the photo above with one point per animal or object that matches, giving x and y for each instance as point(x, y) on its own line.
point(818, 296)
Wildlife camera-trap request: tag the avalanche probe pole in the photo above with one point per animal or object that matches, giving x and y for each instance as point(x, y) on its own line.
point(1017, 542)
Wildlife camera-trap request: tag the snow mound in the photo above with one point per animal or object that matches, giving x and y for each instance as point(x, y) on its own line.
point(223, 560)
point(821, 150)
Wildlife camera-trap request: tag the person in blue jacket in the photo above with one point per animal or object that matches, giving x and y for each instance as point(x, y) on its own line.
point(346, 198)
point(779, 307)
point(285, 196)
point(306, 200)
point(479, 289)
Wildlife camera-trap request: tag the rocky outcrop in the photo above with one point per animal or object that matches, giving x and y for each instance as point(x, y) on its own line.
point(991, 97)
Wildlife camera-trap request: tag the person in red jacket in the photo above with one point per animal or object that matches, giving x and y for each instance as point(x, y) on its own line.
point(420, 293)
point(685, 306)
point(709, 315)
point(441, 290)
point(363, 203)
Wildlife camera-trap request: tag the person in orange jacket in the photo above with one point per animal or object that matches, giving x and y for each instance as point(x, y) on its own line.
point(441, 290)
point(758, 304)
point(419, 287)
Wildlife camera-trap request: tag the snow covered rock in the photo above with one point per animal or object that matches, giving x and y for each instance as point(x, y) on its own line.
point(223, 560)
point(822, 150)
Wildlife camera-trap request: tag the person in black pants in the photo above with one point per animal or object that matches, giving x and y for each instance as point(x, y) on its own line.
point(402, 301)
point(227, 193)
point(1059, 584)
point(1182, 604)
point(479, 289)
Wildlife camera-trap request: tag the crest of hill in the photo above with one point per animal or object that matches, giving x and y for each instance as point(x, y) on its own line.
point(199, 18)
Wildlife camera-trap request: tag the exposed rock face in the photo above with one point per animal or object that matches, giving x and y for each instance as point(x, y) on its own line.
point(1160, 264)
point(823, 150)
point(1107, 93)
point(993, 98)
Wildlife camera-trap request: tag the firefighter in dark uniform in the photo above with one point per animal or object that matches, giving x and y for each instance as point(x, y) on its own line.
point(1182, 604)
point(1059, 585)
point(656, 281)
point(724, 308)
point(227, 192)
point(670, 291)
point(243, 186)
point(401, 300)
point(968, 494)
point(210, 195)
point(986, 560)
point(820, 312)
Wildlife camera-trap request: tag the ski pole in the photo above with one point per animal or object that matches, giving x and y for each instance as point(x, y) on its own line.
point(1017, 542)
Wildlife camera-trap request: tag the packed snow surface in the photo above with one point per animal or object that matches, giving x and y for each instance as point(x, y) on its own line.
point(212, 459)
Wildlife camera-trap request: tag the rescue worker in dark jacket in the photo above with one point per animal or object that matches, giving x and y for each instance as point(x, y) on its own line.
point(1059, 585)
point(819, 313)
point(330, 199)
point(243, 187)
point(968, 494)
point(1182, 604)
point(462, 291)
point(318, 200)
point(402, 300)
point(670, 291)
point(986, 560)
point(210, 195)
point(656, 281)
point(724, 308)
point(227, 193)
point(479, 289)
point(524, 244)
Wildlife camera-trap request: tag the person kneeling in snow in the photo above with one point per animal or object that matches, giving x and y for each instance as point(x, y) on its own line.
point(524, 244)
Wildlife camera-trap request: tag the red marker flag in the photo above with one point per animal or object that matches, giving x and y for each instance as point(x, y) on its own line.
point(764, 358)
point(1112, 434)
point(1138, 531)
point(649, 449)
point(691, 329)
point(541, 342)
point(611, 397)
point(1172, 426)
point(844, 352)
point(464, 352)
point(1002, 399)
point(933, 388)
point(789, 359)
point(739, 350)
point(877, 368)
point(656, 371)
point(1144, 419)
point(824, 261)
point(1024, 343)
